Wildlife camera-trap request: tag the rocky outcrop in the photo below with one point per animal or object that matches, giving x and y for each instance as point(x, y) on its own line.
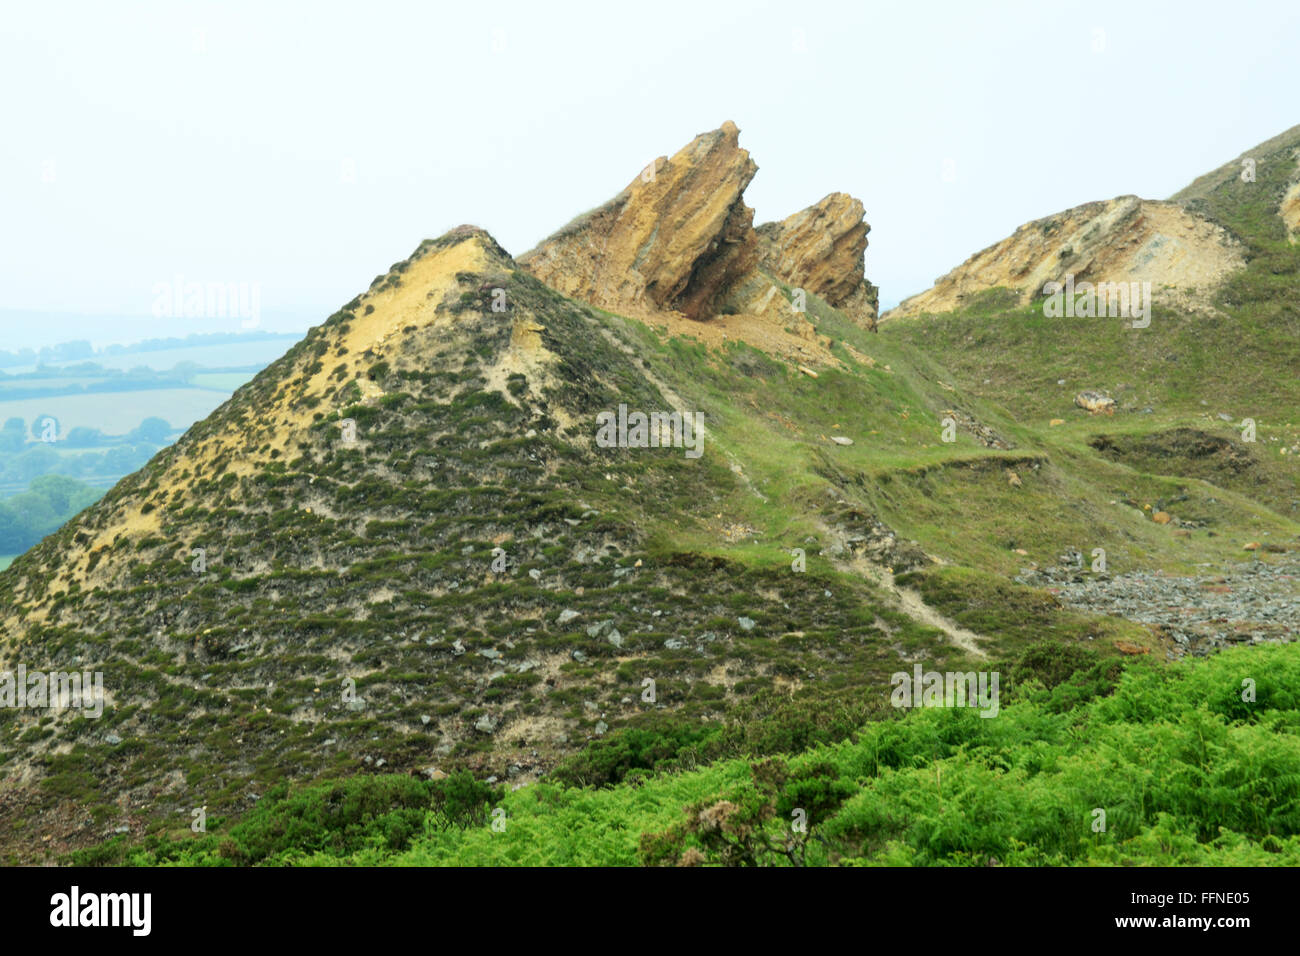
point(822, 249)
point(1290, 211)
point(1118, 240)
point(680, 239)
point(676, 237)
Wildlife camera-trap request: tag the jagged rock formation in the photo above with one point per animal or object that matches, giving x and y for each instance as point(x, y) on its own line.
point(680, 238)
point(673, 239)
point(1290, 210)
point(823, 250)
point(1126, 239)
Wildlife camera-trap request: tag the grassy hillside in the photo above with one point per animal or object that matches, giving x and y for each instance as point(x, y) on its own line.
point(373, 562)
point(1084, 766)
point(1184, 386)
point(468, 604)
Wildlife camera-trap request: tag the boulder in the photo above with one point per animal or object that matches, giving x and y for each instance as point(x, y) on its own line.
point(1095, 402)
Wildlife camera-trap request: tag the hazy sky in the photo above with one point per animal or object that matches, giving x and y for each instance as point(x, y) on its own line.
point(303, 148)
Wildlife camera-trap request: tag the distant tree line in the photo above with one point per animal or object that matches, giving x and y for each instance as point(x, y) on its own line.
point(41, 510)
point(25, 452)
point(81, 349)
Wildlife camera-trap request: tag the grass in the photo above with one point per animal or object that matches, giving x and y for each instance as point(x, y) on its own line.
point(119, 412)
point(1150, 766)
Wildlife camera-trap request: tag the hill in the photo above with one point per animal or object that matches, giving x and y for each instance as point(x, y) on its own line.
point(433, 539)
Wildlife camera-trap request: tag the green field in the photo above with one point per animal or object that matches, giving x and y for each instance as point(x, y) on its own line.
point(260, 352)
point(117, 413)
point(6, 560)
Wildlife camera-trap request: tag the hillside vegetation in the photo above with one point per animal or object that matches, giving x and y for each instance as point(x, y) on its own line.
point(1158, 767)
point(395, 591)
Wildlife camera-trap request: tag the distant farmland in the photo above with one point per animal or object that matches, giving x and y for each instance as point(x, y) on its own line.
point(116, 413)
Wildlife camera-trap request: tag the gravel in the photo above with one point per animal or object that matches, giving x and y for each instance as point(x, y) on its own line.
point(1252, 602)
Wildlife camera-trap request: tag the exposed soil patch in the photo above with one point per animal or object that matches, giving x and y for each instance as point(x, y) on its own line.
point(1192, 452)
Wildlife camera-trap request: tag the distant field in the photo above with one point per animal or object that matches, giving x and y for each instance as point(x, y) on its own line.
point(226, 381)
point(119, 412)
point(6, 560)
point(16, 384)
point(210, 356)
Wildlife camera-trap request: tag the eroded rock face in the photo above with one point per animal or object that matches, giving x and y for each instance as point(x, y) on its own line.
point(1126, 239)
point(680, 238)
point(1290, 211)
point(677, 236)
point(823, 249)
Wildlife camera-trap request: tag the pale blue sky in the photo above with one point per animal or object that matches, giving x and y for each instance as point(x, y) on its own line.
point(211, 140)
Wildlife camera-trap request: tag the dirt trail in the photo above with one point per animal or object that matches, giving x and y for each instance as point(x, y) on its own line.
point(911, 603)
point(908, 601)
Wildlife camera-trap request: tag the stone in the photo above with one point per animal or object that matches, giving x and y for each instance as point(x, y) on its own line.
point(680, 239)
point(674, 239)
point(1095, 402)
point(822, 250)
point(1125, 239)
